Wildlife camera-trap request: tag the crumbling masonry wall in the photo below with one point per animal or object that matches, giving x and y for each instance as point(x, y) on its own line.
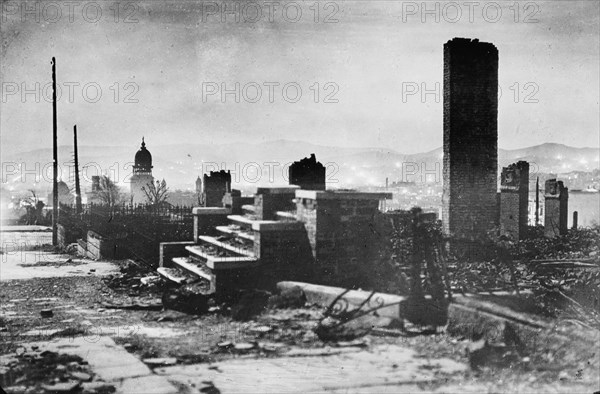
point(470, 138)
point(556, 208)
point(514, 200)
point(308, 173)
point(214, 187)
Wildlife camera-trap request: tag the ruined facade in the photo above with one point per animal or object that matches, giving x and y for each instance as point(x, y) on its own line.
point(142, 175)
point(470, 138)
point(514, 200)
point(556, 197)
point(307, 173)
point(64, 195)
point(214, 187)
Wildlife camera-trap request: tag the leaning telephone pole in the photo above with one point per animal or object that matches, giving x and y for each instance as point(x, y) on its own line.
point(77, 186)
point(55, 158)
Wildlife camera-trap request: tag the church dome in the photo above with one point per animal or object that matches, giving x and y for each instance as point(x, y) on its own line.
point(143, 159)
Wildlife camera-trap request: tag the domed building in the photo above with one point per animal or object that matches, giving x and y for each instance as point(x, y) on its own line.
point(142, 174)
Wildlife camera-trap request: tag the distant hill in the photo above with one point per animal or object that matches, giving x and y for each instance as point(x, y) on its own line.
point(180, 164)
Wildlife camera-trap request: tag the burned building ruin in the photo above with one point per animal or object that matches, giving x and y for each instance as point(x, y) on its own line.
point(556, 197)
point(307, 173)
point(214, 187)
point(469, 202)
point(514, 200)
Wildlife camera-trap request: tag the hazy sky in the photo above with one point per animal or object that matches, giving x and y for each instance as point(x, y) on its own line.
point(549, 53)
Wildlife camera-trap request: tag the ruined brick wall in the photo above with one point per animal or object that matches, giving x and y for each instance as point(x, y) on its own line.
point(308, 173)
point(341, 234)
point(514, 200)
point(556, 205)
point(214, 187)
point(470, 138)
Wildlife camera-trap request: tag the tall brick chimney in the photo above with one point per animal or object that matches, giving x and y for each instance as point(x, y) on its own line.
point(470, 204)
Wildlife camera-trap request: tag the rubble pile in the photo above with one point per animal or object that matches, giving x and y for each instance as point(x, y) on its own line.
point(30, 370)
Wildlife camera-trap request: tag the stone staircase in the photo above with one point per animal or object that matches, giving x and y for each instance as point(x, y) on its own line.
point(287, 234)
point(228, 256)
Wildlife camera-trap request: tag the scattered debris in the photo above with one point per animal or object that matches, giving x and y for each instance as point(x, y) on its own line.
point(65, 387)
point(45, 371)
point(152, 279)
point(244, 346)
point(139, 304)
point(81, 376)
point(289, 298)
point(261, 329)
point(190, 297)
point(251, 303)
point(157, 362)
point(224, 345)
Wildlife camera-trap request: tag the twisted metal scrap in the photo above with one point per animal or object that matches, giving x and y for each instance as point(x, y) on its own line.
point(339, 309)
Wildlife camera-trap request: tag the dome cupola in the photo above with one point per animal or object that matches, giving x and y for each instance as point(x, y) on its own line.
point(143, 160)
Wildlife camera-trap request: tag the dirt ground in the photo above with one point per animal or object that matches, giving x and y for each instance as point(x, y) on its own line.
point(129, 311)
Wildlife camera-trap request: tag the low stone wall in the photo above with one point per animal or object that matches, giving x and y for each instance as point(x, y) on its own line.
point(101, 247)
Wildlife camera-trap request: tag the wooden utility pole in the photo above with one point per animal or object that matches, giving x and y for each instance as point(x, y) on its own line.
point(77, 185)
point(55, 158)
point(537, 201)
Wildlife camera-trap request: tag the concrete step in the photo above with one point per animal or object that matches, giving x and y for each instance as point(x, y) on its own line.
point(286, 216)
point(248, 208)
point(231, 261)
point(189, 265)
point(173, 274)
point(238, 250)
point(237, 231)
point(242, 221)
